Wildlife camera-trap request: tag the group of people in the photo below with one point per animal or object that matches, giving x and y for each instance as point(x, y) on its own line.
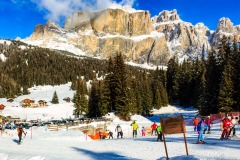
point(134, 125)
point(228, 126)
point(156, 130)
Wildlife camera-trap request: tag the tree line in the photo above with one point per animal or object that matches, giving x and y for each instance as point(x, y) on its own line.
point(211, 84)
point(208, 83)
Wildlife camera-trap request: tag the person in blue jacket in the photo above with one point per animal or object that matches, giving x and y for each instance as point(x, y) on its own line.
point(200, 128)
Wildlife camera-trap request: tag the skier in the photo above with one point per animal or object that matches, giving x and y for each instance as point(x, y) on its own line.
point(135, 127)
point(159, 132)
point(154, 128)
point(195, 123)
point(200, 128)
point(119, 131)
point(20, 132)
point(232, 128)
point(227, 123)
point(110, 134)
point(208, 122)
point(143, 131)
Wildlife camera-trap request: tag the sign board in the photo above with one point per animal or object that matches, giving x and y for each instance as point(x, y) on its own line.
point(173, 125)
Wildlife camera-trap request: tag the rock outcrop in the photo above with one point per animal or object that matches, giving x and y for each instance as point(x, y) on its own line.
point(138, 37)
point(226, 27)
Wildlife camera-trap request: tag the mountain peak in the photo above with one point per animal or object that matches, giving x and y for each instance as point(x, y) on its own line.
point(225, 25)
point(166, 16)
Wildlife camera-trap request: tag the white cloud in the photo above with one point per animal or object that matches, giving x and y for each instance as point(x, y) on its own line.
point(57, 9)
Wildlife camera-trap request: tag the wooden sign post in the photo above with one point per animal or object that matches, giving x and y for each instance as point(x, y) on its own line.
point(173, 125)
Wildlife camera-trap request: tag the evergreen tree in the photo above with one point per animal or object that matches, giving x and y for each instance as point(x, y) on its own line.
point(120, 90)
point(55, 98)
point(80, 100)
point(94, 101)
point(132, 96)
point(210, 100)
point(146, 99)
point(199, 81)
point(108, 89)
point(106, 97)
point(163, 94)
point(156, 95)
point(172, 80)
point(185, 85)
point(236, 76)
point(225, 99)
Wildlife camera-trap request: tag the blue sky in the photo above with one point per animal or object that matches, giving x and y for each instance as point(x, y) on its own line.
point(19, 17)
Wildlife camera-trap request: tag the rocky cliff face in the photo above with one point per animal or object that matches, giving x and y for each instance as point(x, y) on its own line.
point(133, 33)
point(226, 27)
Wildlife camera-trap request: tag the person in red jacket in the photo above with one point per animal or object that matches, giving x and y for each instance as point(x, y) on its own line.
point(154, 128)
point(226, 127)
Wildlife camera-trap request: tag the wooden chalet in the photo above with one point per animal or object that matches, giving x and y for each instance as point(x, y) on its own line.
point(67, 99)
point(27, 103)
point(10, 100)
point(42, 103)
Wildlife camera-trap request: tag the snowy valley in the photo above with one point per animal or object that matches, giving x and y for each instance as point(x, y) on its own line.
point(42, 144)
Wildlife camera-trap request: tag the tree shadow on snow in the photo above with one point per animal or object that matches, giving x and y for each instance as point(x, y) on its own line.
point(180, 158)
point(102, 155)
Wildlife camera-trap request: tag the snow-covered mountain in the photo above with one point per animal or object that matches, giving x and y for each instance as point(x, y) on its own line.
point(133, 33)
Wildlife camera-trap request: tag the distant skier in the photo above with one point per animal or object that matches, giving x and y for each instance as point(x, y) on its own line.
point(200, 128)
point(154, 128)
point(135, 127)
point(110, 134)
point(20, 132)
point(143, 131)
point(232, 128)
point(159, 132)
point(195, 123)
point(208, 122)
point(119, 131)
point(227, 123)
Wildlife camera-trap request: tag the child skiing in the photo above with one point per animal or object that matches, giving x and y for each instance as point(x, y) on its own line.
point(143, 131)
point(195, 123)
point(200, 128)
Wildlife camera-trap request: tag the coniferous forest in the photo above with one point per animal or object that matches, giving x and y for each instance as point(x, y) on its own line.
point(209, 83)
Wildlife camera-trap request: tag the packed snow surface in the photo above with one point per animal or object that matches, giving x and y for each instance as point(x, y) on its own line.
point(42, 144)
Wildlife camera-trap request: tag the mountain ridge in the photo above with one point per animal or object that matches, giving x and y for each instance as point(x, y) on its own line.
point(140, 38)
